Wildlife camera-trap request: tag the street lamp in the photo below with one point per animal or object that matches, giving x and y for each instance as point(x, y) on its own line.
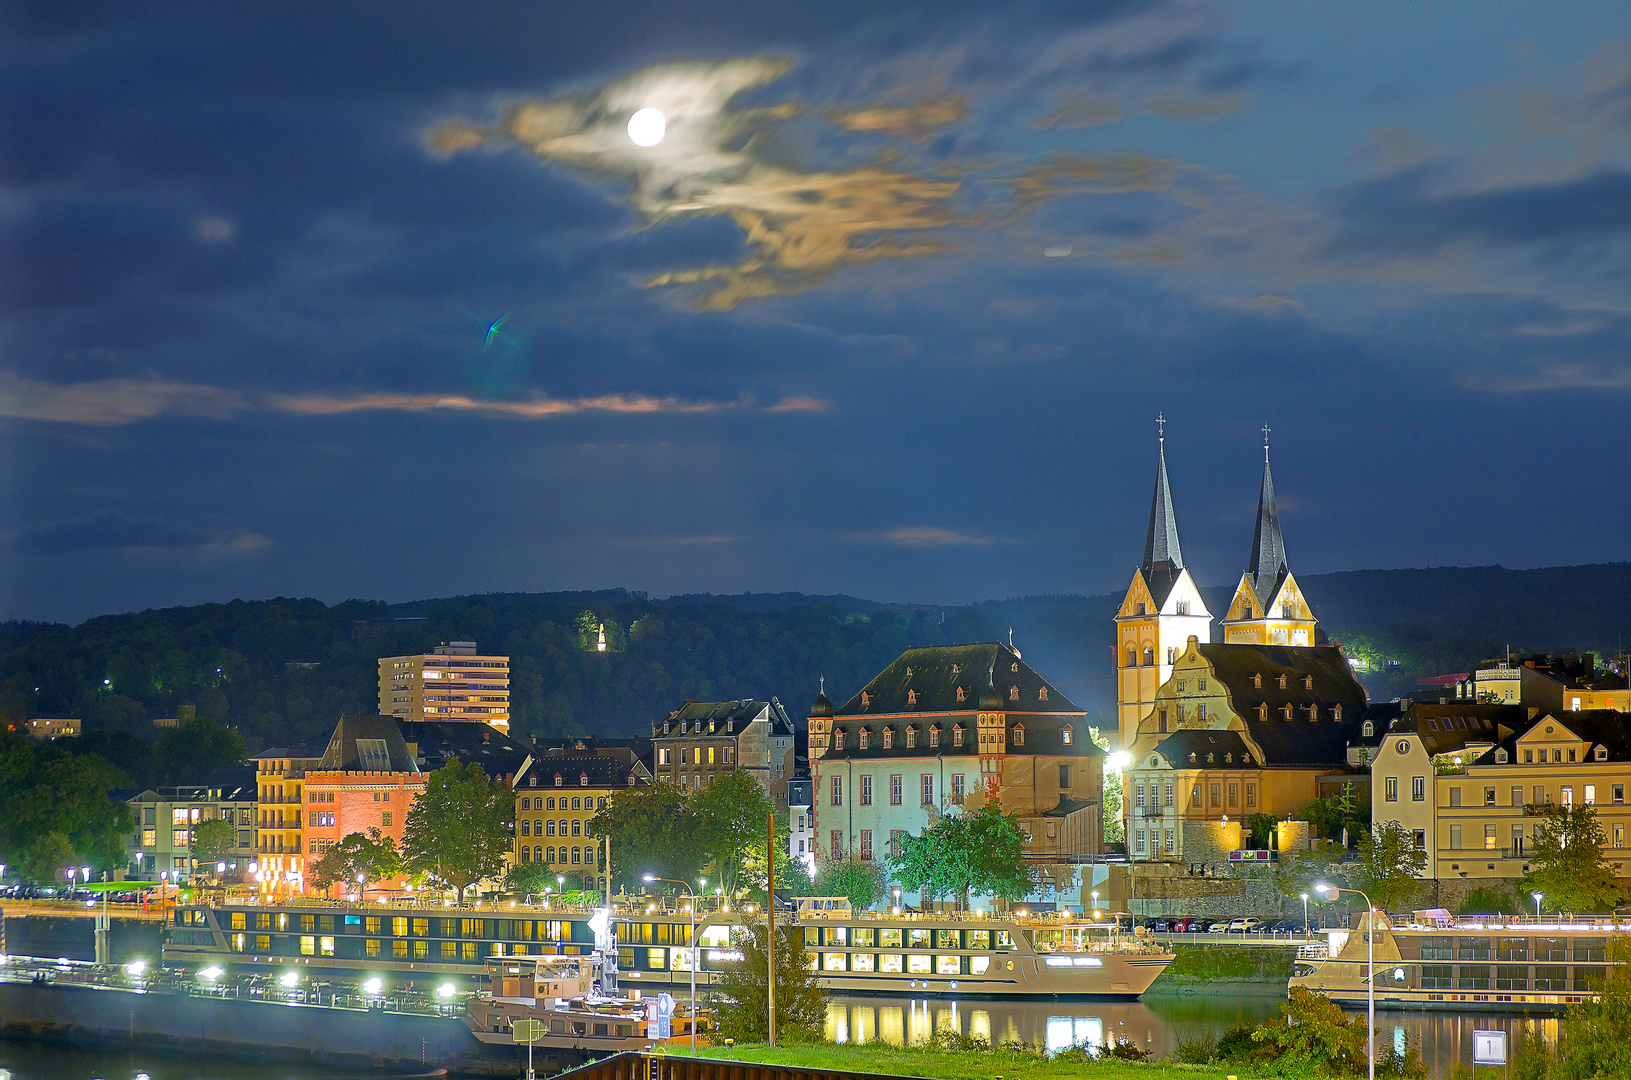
point(1305, 916)
point(897, 900)
point(1537, 905)
point(687, 887)
point(1370, 979)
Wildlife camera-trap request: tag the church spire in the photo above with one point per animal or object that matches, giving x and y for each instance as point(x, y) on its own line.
point(1162, 542)
point(1268, 567)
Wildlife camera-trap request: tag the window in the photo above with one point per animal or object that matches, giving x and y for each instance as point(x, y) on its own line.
point(1489, 838)
point(1019, 734)
point(1489, 796)
point(838, 791)
point(1392, 789)
point(934, 736)
point(1591, 795)
point(1568, 795)
point(866, 790)
point(928, 789)
point(1540, 795)
point(866, 845)
point(385, 819)
point(957, 729)
point(1068, 733)
point(1161, 720)
point(1455, 838)
point(1517, 841)
point(895, 836)
point(1064, 777)
point(1217, 794)
point(957, 789)
point(864, 739)
point(150, 838)
point(1138, 841)
point(1619, 793)
point(1528, 757)
point(1169, 794)
point(1195, 796)
point(1455, 796)
point(1251, 795)
point(911, 736)
point(1234, 796)
point(1138, 795)
point(1418, 791)
point(837, 846)
point(1419, 838)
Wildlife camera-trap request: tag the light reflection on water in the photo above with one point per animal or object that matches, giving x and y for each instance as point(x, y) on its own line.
point(1157, 1026)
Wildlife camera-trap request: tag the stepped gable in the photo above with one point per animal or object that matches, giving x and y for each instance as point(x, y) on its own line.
point(382, 747)
point(926, 680)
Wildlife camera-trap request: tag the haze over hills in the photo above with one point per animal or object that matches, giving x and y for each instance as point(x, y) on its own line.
point(282, 670)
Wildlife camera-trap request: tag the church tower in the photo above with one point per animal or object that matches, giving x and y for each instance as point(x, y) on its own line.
point(1268, 608)
point(1162, 609)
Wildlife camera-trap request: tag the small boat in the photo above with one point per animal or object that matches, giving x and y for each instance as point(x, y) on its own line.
point(564, 994)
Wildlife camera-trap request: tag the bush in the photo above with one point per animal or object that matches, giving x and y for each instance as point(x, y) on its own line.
point(1239, 1043)
point(1317, 1037)
point(1489, 901)
point(1530, 1058)
point(1125, 1050)
point(1195, 1046)
point(1407, 1066)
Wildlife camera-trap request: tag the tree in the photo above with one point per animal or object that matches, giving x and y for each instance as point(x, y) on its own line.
point(1114, 831)
point(46, 858)
point(1317, 1038)
point(862, 882)
point(792, 876)
point(45, 789)
point(1390, 864)
point(963, 853)
point(801, 1004)
point(194, 748)
point(651, 833)
point(357, 859)
point(461, 828)
point(1569, 869)
point(530, 879)
point(213, 842)
point(1595, 1040)
point(1262, 828)
point(729, 818)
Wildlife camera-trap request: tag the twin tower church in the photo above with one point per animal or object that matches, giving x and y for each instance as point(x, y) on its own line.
point(1219, 731)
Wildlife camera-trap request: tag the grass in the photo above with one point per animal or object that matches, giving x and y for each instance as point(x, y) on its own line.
point(943, 1064)
point(1224, 962)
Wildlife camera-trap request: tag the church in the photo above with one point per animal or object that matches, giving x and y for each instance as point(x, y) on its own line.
point(1217, 732)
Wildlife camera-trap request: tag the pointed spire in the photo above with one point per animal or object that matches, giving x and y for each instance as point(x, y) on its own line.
point(1268, 566)
point(1162, 542)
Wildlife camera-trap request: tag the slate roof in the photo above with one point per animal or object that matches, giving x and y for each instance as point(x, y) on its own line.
point(1068, 807)
point(1446, 727)
point(342, 754)
point(1298, 741)
point(603, 771)
point(1268, 568)
point(926, 680)
point(1160, 579)
point(1161, 545)
point(739, 713)
point(1044, 736)
point(437, 742)
point(1599, 727)
point(1177, 747)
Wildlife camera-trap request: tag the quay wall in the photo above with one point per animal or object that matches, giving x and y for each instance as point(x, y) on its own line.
point(347, 1038)
point(75, 937)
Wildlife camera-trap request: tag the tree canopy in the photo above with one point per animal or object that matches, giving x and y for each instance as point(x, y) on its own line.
point(1569, 870)
point(1390, 864)
point(966, 852)
point(461, 827)
point(54, 804)
point(717, 830)
point(213, 842)
point(801, 1004)
point(356, 860)
point(862, 882)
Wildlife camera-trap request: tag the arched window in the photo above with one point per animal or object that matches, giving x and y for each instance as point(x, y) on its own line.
point(1132, 657)
point(1067, 733)
point(1369, 728)
point(526, 854)
point(549, 854)
point(583, 779)
point(1149, 656)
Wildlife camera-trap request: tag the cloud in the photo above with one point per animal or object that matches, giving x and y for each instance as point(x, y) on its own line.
point(921, 536)
point(1554, 377)
point(1262, 304)
point(112, 401)
point(1198, 108)
point(1103, 174)
point(116, 532)
point(1081, 113)
point(800, 225)
point(677, 541)
point(125, 401)
point(913, 121)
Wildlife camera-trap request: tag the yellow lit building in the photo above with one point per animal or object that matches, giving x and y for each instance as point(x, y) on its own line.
point(451, 683)
point(280, 775)
point(555, 799)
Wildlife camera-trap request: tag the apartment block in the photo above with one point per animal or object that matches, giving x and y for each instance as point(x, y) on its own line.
point(453, 683)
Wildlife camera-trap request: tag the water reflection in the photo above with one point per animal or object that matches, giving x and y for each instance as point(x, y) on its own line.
point(1445, 1039)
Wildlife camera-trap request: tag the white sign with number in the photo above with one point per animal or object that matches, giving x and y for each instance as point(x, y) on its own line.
point(1489, 1047)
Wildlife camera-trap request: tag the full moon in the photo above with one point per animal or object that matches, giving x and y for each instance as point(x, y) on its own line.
point(646, 127)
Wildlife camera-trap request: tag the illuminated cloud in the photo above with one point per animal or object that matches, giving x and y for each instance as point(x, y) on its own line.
point(537, 408)
point(921, 536)
point(1102, 174)
point(1082, 112)
point(111, 401)
point(800, 225)
point(912, 121)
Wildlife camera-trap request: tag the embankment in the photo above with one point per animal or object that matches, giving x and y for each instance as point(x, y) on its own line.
point(1224, 970)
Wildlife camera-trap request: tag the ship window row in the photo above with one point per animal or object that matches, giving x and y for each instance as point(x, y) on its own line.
point(1590, 950)
point(866, 937)
point(345, 948)
point(1547, 979)
point(899, 963)
point(396, 926)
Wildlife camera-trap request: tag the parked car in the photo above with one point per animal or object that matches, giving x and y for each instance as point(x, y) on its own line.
point(1244, 925)
point(1219, 927)
point(1199, 926)
point(1160, 926)
point(1182, 925)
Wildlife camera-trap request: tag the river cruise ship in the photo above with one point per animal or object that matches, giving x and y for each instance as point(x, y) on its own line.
point(1480, 963)
point(904, 954)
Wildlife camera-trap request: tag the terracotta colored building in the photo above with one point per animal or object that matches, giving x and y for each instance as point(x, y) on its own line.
point(367, 779)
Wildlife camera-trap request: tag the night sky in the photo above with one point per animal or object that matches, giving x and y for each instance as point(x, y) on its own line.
point(890, 310)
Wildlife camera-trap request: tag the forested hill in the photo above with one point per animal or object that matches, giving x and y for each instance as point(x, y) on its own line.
point(283, 670)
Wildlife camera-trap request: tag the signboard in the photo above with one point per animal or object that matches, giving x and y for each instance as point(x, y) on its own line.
point(1254, 855)
point(526, 1031)
point(659, 1017)
point(1489, 1047)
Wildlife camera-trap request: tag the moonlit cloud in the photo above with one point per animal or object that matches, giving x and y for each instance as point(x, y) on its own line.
point(112, 401)
point(533, 409)
point(921, 536)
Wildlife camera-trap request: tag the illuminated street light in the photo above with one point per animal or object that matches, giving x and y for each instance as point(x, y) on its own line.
point(1370, 962)
point(1537, 905)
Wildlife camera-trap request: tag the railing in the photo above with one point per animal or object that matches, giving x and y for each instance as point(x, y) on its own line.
point(1314, 952)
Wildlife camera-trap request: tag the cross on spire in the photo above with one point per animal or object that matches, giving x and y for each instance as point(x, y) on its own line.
point(1265, 440)
point(1160, 426)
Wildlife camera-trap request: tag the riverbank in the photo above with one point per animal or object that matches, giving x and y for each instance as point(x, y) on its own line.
point(941, 1064)
point(1224, 971)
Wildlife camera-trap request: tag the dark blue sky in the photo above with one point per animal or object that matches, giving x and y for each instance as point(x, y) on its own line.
point(890, 310)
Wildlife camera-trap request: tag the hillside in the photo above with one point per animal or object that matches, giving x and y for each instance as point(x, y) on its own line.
point(282, 670)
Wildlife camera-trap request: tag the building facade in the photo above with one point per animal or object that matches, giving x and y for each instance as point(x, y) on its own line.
point(556, 797)
point(452, 683)
point(702, 739)
point(280, 774)
point(367, 779)
point(45, 730)
point(1237, 730)
point(167, 820)
point(949, 727)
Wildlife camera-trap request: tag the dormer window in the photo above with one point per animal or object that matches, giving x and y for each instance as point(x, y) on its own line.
point(957, 735)
point(1245, 759)
point(864, 740)
point(911, 737)
point(1211, 759)
point(631, 779)
point(1288, 710)
point(532, 781)
point(1368, 730)
point(1282, 682)
point(959, 693)
point(1308, 682)
point(1500, 757)
point(1015, 667)
point(1019, 734)
point(1067, 733)
point(1192, 757)
point(908, 673)
point(1042, 694)
point(957, 669)
point(559, 780)
point(888, 738)
point(911, 697)
point(1229, 758)
point(583, 779)
point(1601, 753)
point(865, 699)
point(1313, 712)
point(1263, 710)
point(1013, 693)
point(934, 736)
point(710, 727)
point(1336, 714)
point(1257, 681)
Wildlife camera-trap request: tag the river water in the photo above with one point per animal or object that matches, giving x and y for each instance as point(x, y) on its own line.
point(1156, 1024)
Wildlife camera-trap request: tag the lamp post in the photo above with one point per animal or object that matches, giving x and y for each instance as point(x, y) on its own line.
point(1370, 978)
point(1305, 916)
point(694, 943)
point(1537, 905)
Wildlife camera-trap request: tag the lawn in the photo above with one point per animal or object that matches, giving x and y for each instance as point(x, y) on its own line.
point(942, 1064)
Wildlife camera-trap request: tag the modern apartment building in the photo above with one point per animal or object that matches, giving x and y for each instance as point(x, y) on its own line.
point(280, 777)
point(453, 682)
point(167, 821)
